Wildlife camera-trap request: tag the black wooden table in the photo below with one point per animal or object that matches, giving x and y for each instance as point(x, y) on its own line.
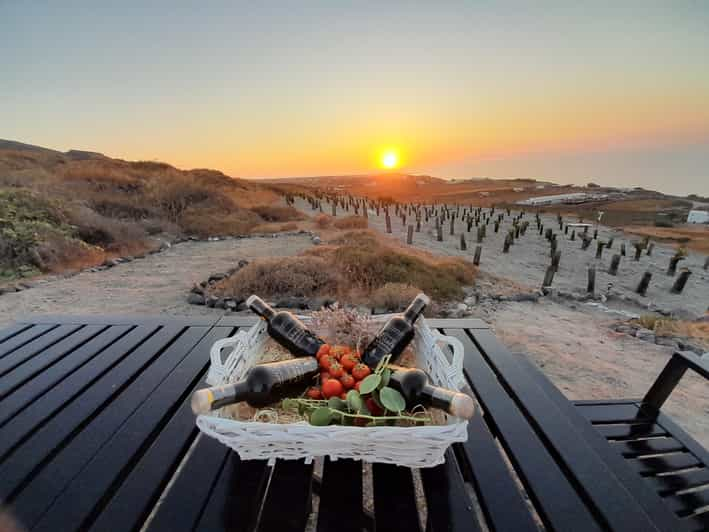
point(96, 433)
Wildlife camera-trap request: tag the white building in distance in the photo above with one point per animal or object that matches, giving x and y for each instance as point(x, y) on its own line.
point(575, 197)
point(698, 217)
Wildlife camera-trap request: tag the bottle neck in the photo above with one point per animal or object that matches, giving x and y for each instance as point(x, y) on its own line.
point(260, 307)
point(415, 309)
point(229, 394)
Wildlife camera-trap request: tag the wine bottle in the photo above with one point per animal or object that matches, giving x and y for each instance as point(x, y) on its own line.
point(262, 385)
point(414, 386)
point(396, 334)
point(286, 329)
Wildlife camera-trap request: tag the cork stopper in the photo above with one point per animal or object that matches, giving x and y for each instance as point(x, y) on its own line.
point(202, 401)
point(462, 406)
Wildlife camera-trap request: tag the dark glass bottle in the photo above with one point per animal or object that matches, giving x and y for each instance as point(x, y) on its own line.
point(286, 329)
point(262, 385)
point(396, 334)
point(414, 386)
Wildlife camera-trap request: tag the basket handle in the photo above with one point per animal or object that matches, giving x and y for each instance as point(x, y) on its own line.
point(215, 353)
point(457, 347)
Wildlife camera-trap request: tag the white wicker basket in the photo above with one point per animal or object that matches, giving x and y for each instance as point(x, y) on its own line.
point(407, 446)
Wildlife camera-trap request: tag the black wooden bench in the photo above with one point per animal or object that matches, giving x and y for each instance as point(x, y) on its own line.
point(96, 433)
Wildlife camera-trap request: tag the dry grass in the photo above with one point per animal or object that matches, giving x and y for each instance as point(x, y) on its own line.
point(356, 266)
point(697, 330)
point(323, 221)
point(351, 222)
point(113, 206)
point(393, 296)
point(695, 237)
point(295, 276)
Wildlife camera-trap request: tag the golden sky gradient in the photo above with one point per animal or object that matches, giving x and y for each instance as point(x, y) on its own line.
point(618, 95)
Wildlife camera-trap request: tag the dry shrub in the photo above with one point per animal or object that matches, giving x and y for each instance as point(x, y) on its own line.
point(204, 222)
point(393, 296)
point(109, 233)
point(323, 221)
point(351, 222)
point(59, 253)
point(290, 226)
point(293, 276)
point(277, 213)
point(367, 261)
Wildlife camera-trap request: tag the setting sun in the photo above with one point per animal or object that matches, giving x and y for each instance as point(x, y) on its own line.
point(390, 159)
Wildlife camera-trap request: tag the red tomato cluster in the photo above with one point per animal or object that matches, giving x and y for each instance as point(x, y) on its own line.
point(340, 371)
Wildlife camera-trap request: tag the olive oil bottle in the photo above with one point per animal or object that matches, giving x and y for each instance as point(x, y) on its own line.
point(286, 329)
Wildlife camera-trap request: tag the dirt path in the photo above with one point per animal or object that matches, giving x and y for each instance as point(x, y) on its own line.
point(573, 343)
point(156, 284)
point(577, 349)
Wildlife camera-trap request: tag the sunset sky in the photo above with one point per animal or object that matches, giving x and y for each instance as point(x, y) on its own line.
point(565, 91)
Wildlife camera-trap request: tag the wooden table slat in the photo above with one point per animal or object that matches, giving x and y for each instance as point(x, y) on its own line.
point(35, 347)
point(341, 494)
point(612, 413)
point(184, 501)
point(683, 480)
point(100, 477)
point(500, 498)
point(627, 431)
point(20, 334)
point(235, 500)
point(34, 366)
point(33, 415)
point(447, 501)
point(394, 498)
point(288, 501)
point(104, 402)
point(557, 501)
point(44, 381)
point(663, 464)
point(685, 504)
point(644, 447)
point(662, 518)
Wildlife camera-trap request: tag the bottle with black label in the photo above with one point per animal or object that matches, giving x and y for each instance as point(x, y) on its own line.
point(414, 386)
point(286, 329)
point(262, 385)
point(396, 334)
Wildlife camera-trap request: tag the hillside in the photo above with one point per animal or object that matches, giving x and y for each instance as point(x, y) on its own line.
point(63, 210)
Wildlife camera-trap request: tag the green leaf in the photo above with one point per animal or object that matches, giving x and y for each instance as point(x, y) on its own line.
point(321, 416)
point(354, 401)
point(392, 399)
point(369, 384)
point(336, 403)
point(386, 375)
point(287, 404)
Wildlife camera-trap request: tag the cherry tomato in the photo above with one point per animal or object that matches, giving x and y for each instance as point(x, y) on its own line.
point(332, 388)
point(324, 375)
point(360, 371)
point(373, 407)
point(324, 350)
point(347, 381)
point(348, 361)
point(356, 386)
point(336, 370)
point(326, 361)
point(314, 392)
point(357, 355)
point(343, 396)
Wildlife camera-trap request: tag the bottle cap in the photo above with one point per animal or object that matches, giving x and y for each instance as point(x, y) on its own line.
point(202, 401)
point(462, 406)
point(424, 298)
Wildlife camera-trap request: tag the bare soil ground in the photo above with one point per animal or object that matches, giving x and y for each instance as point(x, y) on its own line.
point(157, 284)
point(694, 237)
point(573, 342)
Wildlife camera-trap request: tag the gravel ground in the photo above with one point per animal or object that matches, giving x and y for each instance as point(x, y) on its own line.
point(529, 258)
point(572, 342)
point(156, 284)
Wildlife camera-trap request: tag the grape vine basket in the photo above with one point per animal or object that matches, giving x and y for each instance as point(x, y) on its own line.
point(416, 446)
